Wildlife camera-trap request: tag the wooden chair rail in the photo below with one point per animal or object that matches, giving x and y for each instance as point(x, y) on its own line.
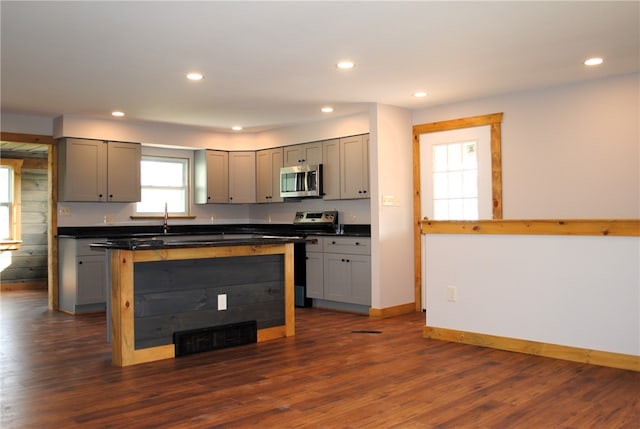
point(594, 227)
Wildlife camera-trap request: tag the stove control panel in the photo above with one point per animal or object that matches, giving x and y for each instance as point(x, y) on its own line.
point(321, 217)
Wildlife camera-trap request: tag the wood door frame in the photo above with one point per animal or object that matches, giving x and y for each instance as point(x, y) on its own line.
point(494, 121)
point(52, 200)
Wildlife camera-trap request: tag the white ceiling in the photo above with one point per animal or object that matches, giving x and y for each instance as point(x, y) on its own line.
point(272, 64)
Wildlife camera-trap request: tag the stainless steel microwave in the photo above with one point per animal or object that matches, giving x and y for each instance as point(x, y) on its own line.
point(301, 181)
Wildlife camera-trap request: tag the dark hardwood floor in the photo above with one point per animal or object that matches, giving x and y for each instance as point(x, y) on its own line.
point(56, 373)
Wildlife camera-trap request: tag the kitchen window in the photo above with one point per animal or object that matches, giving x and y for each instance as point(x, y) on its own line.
point(10, 216)
point(164, 183)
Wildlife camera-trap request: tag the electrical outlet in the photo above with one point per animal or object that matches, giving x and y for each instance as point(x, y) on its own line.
point(222, 302)
point(452, 293)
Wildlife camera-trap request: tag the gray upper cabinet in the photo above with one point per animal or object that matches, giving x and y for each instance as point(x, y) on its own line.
point(97, 170)
point(242, 177)
point(354, 167)
point(211, 177)
point(331, 169)
point(303, 154)
point(268, 164)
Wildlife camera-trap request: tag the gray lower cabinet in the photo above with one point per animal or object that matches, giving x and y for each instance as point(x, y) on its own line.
point(315, 271)
point(342, 271)
point(347, 278)
point(82, 276)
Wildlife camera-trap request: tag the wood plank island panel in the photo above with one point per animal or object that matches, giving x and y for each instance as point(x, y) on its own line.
point(157, 292)
point(174, 296)
point(592, 227)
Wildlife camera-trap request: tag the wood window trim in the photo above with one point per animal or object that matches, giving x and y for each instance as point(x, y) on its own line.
point(16, 205)
point(494, 121)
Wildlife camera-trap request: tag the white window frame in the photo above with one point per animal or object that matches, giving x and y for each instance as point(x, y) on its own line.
point(185, 161)
point(14, 205)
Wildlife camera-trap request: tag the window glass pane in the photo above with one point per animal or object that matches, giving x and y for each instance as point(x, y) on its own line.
point(470, 207)
point(441, 209)
point(440, 158)
point(153, 201)
point(470, 183)
point(454, 153)
point(440, 185)
point(5, 184)
point(456, 209)
point(455, 184)
point(160, 173)
point(469, 156)
point(5, 222)
point(455, 181)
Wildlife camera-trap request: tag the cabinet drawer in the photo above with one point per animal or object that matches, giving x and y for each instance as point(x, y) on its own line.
point(349, 245)
point(315, 247)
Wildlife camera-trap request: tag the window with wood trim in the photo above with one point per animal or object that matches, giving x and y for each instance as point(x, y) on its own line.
point(164, 183)
point(10, 201)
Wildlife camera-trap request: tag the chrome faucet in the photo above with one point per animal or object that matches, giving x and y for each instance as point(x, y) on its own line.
point(165, 225)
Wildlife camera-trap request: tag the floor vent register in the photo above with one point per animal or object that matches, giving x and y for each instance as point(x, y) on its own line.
point(215, 337)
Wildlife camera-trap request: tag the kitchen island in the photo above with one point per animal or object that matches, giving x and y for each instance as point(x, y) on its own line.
point(159, 290)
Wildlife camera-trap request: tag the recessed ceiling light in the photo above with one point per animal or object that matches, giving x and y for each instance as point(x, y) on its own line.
point(420, 94)
point(345, 65)
point(195, 76)
point(236, 128)
point(593, 61)
point(327, 109)
point(117, 114)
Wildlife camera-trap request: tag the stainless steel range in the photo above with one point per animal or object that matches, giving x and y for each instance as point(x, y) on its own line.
point(316, 222)
point(305, 224)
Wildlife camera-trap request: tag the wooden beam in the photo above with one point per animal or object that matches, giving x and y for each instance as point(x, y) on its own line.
point(454, 124)
point(26, 138)
point(594, 227)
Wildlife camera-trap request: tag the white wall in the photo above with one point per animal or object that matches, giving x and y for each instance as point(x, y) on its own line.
point(26, 124)
point(391, 176)
point(575, 291)
point(567, 152)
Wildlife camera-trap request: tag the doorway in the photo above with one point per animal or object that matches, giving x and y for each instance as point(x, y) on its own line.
point(34, 265)
point(494, 121)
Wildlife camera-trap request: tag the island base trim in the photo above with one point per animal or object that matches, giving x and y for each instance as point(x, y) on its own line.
point(574, 354)
point(273, 333)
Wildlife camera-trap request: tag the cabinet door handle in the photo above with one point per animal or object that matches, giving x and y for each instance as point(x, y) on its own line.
point(357, 243)
point(333, 242)
point(341, 260)
point(208, 198)
point(79, 262)
point(348, 260)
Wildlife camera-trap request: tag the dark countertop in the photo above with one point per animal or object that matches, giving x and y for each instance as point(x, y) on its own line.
point(147, 244)
point(142, 232)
